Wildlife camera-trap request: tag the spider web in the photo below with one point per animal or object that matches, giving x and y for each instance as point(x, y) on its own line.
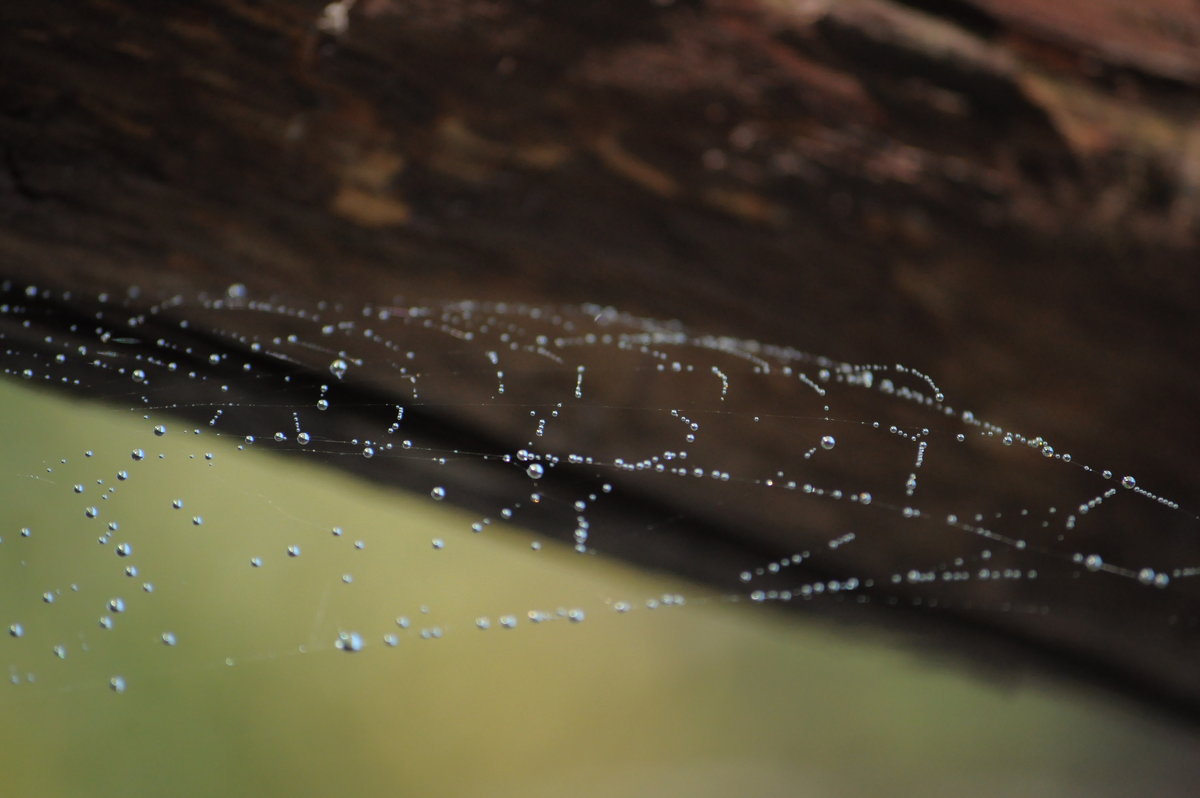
point(761, 474)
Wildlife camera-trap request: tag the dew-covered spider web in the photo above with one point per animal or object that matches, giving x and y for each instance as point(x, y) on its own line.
point(138, 549)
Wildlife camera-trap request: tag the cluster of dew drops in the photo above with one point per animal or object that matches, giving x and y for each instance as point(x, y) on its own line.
point(493, 327)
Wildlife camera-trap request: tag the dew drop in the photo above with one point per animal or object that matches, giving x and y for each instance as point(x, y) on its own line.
point(160, 430)
point(828, 442)
point(338, 368)
point(138, 454)
point(535, 471)
point(438, 493)
point(117, 683)
point(1128, 482)
point(350, 642)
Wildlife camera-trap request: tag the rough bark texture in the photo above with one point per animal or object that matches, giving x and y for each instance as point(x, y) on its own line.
point(1003, 194)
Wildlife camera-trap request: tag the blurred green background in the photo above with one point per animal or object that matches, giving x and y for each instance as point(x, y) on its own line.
point(709, 698)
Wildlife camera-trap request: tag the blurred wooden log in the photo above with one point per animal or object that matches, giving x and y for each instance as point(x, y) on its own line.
point(1006, 195)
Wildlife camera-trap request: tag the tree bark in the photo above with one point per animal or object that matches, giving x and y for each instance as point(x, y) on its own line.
point(1003, 194)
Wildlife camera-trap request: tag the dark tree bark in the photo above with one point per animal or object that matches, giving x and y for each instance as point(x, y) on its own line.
point(1004, 194)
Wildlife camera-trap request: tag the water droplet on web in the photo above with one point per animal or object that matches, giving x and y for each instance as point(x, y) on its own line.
point(124, 550)
point(338, 368)
point(535, 471)
point(117, 684)
point(349, 642)
point(160, 430)
point(438, 493)
point(138, 454)
point(828, 442)
point(1128, 482)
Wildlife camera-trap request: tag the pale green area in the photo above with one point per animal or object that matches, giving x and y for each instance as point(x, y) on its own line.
point(708, 699)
